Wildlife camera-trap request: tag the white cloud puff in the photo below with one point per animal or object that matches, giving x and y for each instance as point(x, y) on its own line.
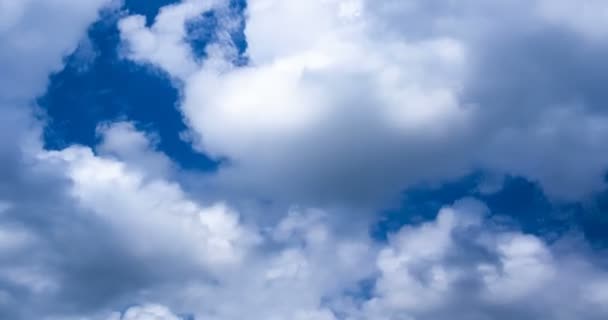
point(154, 216)
point(364, 102)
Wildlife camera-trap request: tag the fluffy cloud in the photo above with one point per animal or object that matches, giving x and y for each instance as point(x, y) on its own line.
point(163, 43)
point(79, 231)
point(462, 264)
point(127, 238)
point(154, 215)
point(122, 141)
point(374, 97)
point(349, 109)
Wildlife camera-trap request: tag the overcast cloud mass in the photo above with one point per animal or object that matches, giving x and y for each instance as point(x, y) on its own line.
point(298, 131)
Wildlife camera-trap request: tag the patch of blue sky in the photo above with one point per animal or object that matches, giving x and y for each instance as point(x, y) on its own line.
point(202, 31)
point(97, 86)
point(148, 8)
point(518, 202)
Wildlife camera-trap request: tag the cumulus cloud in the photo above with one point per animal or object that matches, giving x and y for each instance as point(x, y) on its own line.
point(124, 239)
point(351, 109)
point(163, 44)
point(80, 232)
point(122, 141)
point(375, 97)
point(152, 215)
point(463, 264)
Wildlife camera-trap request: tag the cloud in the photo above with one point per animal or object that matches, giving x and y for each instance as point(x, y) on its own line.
point(462, 264)
point(163, 44)
point(374, 98)
point(121, 140)
point(34, 37)
point(117, 238)
point(349, 112)
point(466, 265)
point(80, 232)
point(140, 209)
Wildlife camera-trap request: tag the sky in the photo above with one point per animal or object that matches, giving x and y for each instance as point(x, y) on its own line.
point(303, 160)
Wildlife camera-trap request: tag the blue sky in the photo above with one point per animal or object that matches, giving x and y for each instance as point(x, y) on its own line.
point(106, 88)
point(308, 160)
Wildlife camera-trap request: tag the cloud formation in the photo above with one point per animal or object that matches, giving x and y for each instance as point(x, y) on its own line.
point(461, 264)
point(375, 97)
point(337, 106)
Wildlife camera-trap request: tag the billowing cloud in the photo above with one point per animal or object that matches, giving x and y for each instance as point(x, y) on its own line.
point(154, 214)
point(341, 105)
point(374, 97)
point(462, 264)
point(466, 266)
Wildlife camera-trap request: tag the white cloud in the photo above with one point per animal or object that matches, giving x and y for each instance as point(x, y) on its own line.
point(462, 264)
point(305, 261)
point(135, 148)
point(362, 103)
point(153, 216)
point(164, 44)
